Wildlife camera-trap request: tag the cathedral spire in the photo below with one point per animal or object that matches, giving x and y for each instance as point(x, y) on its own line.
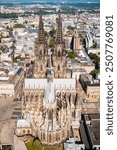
point(40, 50)
point(59, 35)
point(60, 51)
point(41, 31)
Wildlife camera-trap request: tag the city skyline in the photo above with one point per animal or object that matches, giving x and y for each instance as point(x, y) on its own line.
point(49, 78)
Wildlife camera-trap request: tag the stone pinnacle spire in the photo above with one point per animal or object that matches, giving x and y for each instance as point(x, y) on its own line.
point(41, 31)
point(59, 30)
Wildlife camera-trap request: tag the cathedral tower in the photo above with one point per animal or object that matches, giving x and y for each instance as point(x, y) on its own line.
point(41, 39)
point(40, 51)
point(59, 50)
point(58, 56)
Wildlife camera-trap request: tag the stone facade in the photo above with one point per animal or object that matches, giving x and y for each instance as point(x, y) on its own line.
point(58, 56)
point(51, 99)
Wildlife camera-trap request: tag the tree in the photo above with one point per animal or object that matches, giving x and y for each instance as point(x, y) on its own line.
point(32, 25)
point(92, 56)
point(10, 15)
point(52, 42)
point(72, 54)
point(52, 32)
point(46, 33)
point(19, 26)
point(81, 39)
point(15, 59)
point(70, 28)
point(95, 59)
point(37, 145)
point(95, 72)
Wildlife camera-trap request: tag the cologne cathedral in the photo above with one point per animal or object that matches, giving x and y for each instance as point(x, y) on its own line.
point(50, 106)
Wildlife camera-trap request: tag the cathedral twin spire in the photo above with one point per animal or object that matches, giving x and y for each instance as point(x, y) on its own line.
point(41, 37)
point(44, 58)
point(59, 35)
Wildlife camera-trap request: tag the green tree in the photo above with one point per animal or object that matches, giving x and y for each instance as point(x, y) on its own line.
point(93, 56)
point(37, 145)
point(81, 39)
point(10, 15)
point(70, 28)
point(46, 33)
point(32, 25)
point(19, 26)
point(52, 42)
point(16, 58)
point(95, 72)
point(72, 54)
point(34, 145)
point(95, 59)
point(52, 32)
